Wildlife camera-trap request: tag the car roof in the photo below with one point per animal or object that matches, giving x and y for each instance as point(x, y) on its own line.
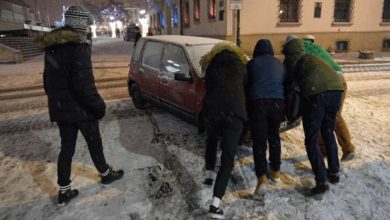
point(184, 40)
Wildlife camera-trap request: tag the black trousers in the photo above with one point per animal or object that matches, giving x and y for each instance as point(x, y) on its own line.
point(68, 133)
point(265, 116)
point(228, 128)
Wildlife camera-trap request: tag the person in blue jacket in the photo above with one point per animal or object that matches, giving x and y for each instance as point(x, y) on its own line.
point(265, 97)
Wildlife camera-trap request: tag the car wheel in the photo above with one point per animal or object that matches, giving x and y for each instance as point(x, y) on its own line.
point(136, 96)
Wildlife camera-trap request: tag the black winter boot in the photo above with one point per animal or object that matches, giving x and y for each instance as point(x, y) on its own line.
point(112, 176)
point(319, 188)
point(65, 197)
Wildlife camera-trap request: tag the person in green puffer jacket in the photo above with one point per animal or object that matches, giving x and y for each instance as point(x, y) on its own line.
point(321, 89)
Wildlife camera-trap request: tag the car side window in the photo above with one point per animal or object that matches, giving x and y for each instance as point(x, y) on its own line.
point(152, 54)
point(138, 49)
point(175, 61)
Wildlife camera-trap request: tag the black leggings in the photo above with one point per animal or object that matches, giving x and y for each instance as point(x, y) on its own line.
point(228, 128)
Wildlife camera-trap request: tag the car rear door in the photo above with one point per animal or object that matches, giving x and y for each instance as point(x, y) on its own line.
point(179, 93)
point(150, 68)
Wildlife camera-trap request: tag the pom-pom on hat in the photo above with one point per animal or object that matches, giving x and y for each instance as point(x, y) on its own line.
point(78, 17)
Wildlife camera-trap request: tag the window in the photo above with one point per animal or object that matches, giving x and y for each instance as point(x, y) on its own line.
point(342, 46)
point(212, 12)
point(152, 54)
point(342, 11)
point(386, 11)
point(196, 10)
point(186, 16)
point(175, 61)
point(289, 11)
point(158, 21)
point(221, 13)
point(317, 9)
point(386, 44)
point(162, 19)
point(175, 15)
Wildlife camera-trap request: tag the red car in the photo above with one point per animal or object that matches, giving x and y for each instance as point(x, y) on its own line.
point(165, 71)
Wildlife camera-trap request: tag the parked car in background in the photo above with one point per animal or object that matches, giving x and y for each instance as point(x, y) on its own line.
point(165, 71)
point(129, 33)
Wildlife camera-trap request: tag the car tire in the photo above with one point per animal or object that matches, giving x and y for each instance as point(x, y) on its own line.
point(136, 96)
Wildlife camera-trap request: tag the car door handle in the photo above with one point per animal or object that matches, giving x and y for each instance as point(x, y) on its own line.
point(164, 80)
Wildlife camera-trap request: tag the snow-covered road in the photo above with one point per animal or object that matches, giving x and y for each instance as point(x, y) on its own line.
point(163, 161)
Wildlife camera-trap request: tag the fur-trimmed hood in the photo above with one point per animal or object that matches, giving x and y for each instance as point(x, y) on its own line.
point(60, 36)
point(206, 59)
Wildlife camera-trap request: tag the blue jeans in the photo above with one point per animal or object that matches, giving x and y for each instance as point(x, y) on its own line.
point(319, 115)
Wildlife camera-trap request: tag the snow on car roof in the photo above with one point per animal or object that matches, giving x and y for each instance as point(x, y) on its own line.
point(185, 40)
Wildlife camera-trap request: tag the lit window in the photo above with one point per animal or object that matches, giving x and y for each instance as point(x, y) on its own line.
point(289, 10)
point(196, 10)
point(175, 16)
point(162, 21)
point(342, 11)
point(212, 12)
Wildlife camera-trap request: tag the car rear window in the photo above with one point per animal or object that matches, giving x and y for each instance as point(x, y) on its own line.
point(152, 54)
point(196, 52)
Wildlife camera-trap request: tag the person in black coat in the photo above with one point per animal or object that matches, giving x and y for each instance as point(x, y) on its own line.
point(224, 111)
point(137, 35)
point(265, 96)
point(74, 103)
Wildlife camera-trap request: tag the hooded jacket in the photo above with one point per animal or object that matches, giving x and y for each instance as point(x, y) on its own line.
point(311, 73)
point(68, 79)
point(225, 82)
point(265, 74)
point(317, 50)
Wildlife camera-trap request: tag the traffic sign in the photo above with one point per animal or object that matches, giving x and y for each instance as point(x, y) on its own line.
point(236, 4)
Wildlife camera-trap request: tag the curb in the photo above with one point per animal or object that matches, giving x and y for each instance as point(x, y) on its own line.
point(40, 86)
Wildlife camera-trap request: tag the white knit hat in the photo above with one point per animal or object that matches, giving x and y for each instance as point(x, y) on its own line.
point(309, 37)
point(78, 17)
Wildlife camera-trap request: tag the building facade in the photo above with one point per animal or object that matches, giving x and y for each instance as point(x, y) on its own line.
point(339, 25)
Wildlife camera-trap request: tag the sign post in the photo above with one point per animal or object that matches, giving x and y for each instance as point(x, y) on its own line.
point(236, 6)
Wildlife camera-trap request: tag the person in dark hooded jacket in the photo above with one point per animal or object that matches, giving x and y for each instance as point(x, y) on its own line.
point(321, 89)
point(224, 110)
point(265, 96)
point(74, 103)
